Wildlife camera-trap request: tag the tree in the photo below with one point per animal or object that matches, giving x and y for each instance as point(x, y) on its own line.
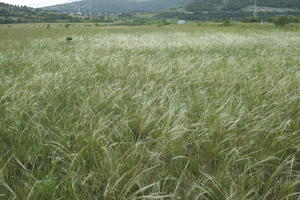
point(281, 21)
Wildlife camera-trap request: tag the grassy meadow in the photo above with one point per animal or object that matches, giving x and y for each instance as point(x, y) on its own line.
point(187, 112)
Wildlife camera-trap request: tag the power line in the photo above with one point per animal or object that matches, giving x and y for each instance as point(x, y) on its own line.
point(255, 8)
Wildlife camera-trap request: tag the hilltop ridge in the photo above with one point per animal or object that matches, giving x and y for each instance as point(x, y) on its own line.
point(22, 14)
point(187, 9)
point(238, 5)
point(96, 7)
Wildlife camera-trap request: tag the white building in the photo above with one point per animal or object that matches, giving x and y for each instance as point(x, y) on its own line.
point(181, 21)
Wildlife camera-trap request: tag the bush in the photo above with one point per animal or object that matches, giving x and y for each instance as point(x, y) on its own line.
point(251, 20)
point(226, 22)
point(67, 25)
point(270, 19)
point(69, 39)
point(281, 21)
point(294, 19)
point(289, 19)
point(163, 23)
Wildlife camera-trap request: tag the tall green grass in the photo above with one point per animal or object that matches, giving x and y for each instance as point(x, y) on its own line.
point(179, 112)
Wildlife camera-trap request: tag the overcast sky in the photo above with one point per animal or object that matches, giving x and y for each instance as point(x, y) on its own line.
point(35, 3)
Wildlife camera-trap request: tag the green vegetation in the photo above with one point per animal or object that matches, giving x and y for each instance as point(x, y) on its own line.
point(15, 14)
point(239, 9)
point(145, 112)
point(197, 9)
point(281, 21)
point(69, 39)
point(23, 14)
point(198, 6)
point(234, 5)
point(223, 15)
point(114, 6)
point(226, 22)
point(251, 20)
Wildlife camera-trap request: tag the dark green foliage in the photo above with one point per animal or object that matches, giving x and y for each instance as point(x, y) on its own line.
point(281, 21)
point(294, 19)
point(251, 20)
point(15, 14)
point(163, 23)
point(22, 14)
point(67, 25)
point(221, 15)
point(215, 5)
point(226, 22)
point(116, 6)
point(69, 39)
point(204, 5)
point(270, 19)
point(220, 9)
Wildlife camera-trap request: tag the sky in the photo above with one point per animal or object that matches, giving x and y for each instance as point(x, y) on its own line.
point(36, 3)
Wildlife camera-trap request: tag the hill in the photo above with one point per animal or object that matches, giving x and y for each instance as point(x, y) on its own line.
point(187, 9)
point(234, 9)
point(236, 5)
point(22, 14)
point(96, 7)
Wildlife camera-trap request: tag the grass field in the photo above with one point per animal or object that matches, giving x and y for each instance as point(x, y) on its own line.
point(126, 113)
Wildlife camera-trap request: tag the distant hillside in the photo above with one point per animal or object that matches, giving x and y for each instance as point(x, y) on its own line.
point(114, 6)
point(22, 14)
point(236, 5)
point(234, 9)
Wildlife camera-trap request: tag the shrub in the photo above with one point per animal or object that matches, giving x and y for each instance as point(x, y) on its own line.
point(251, 20)
point(67, 25)
point(281, 21)
point(294, 19)
point(163, 23)
point(226, 22)
point(69, 39)
point(270, 19)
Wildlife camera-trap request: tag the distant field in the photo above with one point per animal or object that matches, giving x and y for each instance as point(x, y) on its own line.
point(124, 113)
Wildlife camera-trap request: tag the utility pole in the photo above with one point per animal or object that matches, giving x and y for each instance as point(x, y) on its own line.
point(78, 7)
point(90, 9)
point(255, 9)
